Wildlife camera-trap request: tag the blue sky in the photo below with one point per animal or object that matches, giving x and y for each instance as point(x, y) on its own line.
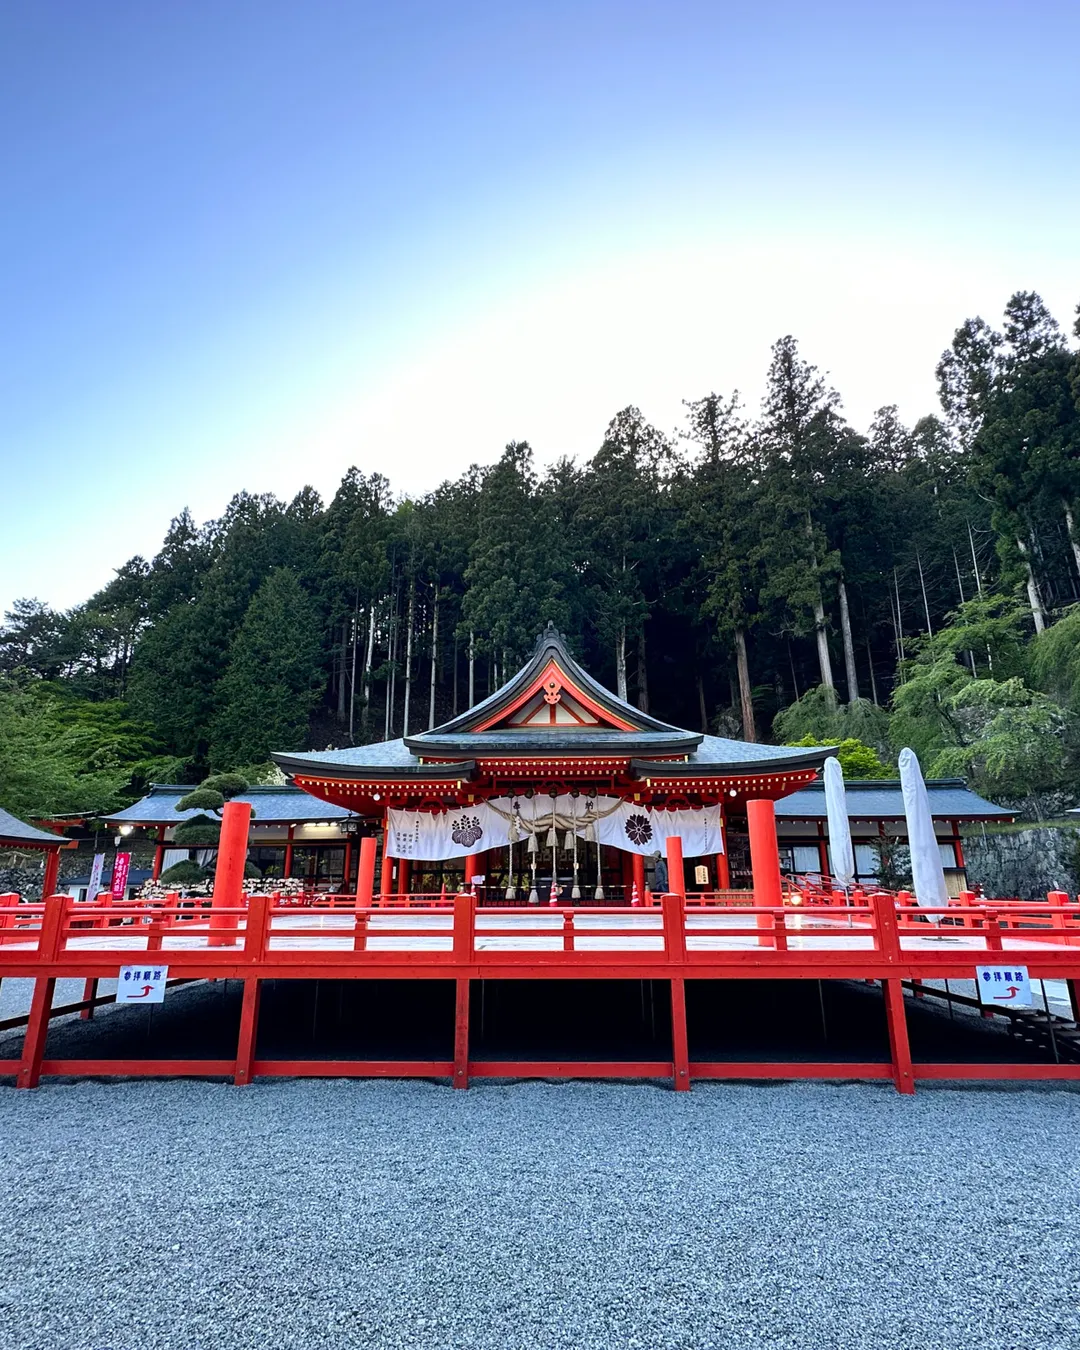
point(245, 245)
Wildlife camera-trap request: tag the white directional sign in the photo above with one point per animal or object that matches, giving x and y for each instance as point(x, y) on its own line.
point(1003, 986)
point(141, 984)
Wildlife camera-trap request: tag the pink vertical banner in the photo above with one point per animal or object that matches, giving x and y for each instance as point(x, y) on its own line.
point(120, 870)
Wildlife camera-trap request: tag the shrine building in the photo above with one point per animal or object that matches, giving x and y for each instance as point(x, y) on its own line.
point(553, 783)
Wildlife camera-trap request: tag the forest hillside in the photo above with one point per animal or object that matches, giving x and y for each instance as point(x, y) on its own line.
point(765, 574)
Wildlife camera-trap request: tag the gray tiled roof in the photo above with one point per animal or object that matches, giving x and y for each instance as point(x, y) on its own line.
point(881, 799)
point(272, 805)
point(16, 831)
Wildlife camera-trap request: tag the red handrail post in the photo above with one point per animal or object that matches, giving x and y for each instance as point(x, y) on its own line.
point(993, 934)
point(257, 930)
point(674, 912)
point(1058, 900)
point(229, 873)
point(52, 872)
point(888, 931)
point(967, 899)
point(464, 920)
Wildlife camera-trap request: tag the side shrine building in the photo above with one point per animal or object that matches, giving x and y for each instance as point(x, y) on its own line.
point(553, 783)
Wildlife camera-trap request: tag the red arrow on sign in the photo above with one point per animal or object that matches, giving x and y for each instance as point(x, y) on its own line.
point(1014, 989)
point(147, 989)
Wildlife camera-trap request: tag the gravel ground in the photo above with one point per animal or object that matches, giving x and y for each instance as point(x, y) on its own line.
point(182, 1215)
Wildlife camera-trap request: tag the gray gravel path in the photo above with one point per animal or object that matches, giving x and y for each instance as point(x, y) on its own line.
point(177, 1216)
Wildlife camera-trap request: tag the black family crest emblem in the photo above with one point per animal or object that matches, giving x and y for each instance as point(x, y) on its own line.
point(638, 829)
point(466, 831)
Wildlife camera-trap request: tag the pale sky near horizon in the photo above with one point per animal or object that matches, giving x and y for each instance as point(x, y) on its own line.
point(247, 245)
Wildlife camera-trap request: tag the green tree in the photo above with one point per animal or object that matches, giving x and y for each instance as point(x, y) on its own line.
point(272, 681)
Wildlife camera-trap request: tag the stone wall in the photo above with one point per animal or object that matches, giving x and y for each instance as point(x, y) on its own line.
point(1025, 863)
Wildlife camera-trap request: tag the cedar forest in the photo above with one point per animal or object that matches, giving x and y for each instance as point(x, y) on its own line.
point(778, 576)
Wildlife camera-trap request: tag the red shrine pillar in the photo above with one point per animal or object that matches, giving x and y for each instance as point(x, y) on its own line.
point(386, 871)
point(639, 875)
point(287, 868)
point(52, 873)
point(229, 872)
point(365, 873)
point(471, 869)
point(403, 879)
point(764, 853)
point(348, 866)
point(676, 879)
point(159, 853)
point(723, 867)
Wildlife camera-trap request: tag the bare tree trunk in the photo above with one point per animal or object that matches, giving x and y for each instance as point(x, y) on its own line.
point(472, 668)
point(434, 660)
point(925, 602)
point(849, 646)
point(1034, 598)
point(701, 703)
point(367, 669)
point(1070, 525)
point(974, 561)
point(408, 656)
point(341, 670)
point(873, 680)
point(820, 630)
point(642, 675)
point(352, 676)
point(824, 661)
point(454, 714)
point(898, 624)
point(745, 696)
point(620, 663)
point(393, 650)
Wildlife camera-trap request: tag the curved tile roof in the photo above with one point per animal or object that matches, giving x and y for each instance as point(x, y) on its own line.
point(16, 831)
point(272, 805)
point(881, 799)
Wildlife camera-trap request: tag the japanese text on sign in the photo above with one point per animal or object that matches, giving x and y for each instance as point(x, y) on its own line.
point(1004, 986)
point(141, 984)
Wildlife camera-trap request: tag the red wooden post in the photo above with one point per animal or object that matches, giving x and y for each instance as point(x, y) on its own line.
point(680, 1047)
point(386, 871)
point(674, 911)
point(639, 875)
point(348, 866)
point(52, 872)
point(365, 874)
point(675, 878)
point(257, 931)
point(403, 880)
point(888, 933)
point(967, 899)
point(90, 988)
point(899, 1045)
point(823, 854)
point(958, 846)
point(37, 1029)
point(764, 853)
point(249, 1027)
point(471, 869)
point(1057, 901)
point(993, 934)
point(287, 868)
point(229, 873)
point(464, 918)
point(723, 867)
point(461, 1032)
point(159, 854)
